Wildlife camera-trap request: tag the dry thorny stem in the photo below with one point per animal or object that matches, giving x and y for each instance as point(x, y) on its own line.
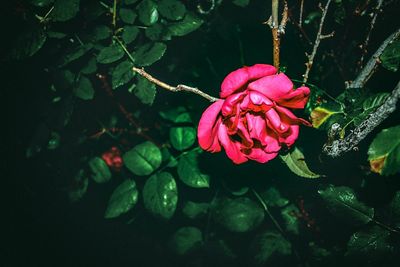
point(178, 88)
point(318, 39)
point(336, 148)
point(277, 28)
point(372, 64)
point(365, 44)
point(301, 13)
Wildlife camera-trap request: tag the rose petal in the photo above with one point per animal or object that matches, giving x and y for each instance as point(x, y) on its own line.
point(280, 89)
point(295, 99)
point(273, 86)
point(259, 155)
point(275, 121)
point(244, 134)
point(259, 131)
point(205, 132)
point(260, 70)
point(232, 148)
point(272, 141)
point(233, 82)
point(289, 118)
point(215, 146)
point(230, 103)
point(290, 137)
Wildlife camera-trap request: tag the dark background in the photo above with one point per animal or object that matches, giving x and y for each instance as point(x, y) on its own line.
point(47, 230)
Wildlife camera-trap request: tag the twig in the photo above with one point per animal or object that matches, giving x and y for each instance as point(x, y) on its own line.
point(300, 28)
point(365, 44)
point(372, 64)
point(123, 110)
point(275, 222)
point(114, 17)
point(338, 147)
point(387, 227)
point(274, 24)
point(284, 19)
point(301, 13)
point(318, 39)
point(178, 88)
point(265, 207)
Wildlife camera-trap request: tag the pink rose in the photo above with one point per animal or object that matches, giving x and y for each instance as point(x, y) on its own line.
point(252, 120)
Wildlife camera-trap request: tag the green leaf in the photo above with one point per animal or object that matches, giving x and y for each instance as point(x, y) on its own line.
point(241, 3)
point(129, 34)
point(369, 105)
point(297, 164)
point(391, 56)
point(374, 101)
point(172, 9)
point(395, 208)
point(100, 170)
point(28, 43)
point(238, 215)
point(110, 54)
point(127, 15)
point(84, 89)
point(189, 24)
point(143, 159)
point(65, 10)
point(182, 137)
point(174, 115)
point(273, 198)
point(56, 35)
point(101, 32)
point(371, 243)
point(189, 173)
point(384, 152)
point(167, 157)
point(145, 90)
point(90, 67)
point(148, 13)
point(158, 32)
point(288, 214)
point(79, 187)
point(75, 54)
point(160, 195)
point(124, 198)
point(343, 203)
point(323, 115)
point(122, 74)
point(267, 246)
point(194, 210)
point(41, 3)
point(64, 79)
point(149, 53)
point(185, 239)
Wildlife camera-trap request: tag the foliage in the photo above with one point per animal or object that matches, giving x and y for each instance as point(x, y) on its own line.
point(72, 62)
point(384, 151)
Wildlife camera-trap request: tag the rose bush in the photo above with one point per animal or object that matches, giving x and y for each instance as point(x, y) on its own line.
point(252, 119)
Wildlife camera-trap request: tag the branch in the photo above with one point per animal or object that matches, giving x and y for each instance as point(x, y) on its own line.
point(274, 25)
point(365, 44)
point(276, 28)
point(178, 88)
point(301, 12)
point(318, 39)
point(338, 147)
point(372, 64)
